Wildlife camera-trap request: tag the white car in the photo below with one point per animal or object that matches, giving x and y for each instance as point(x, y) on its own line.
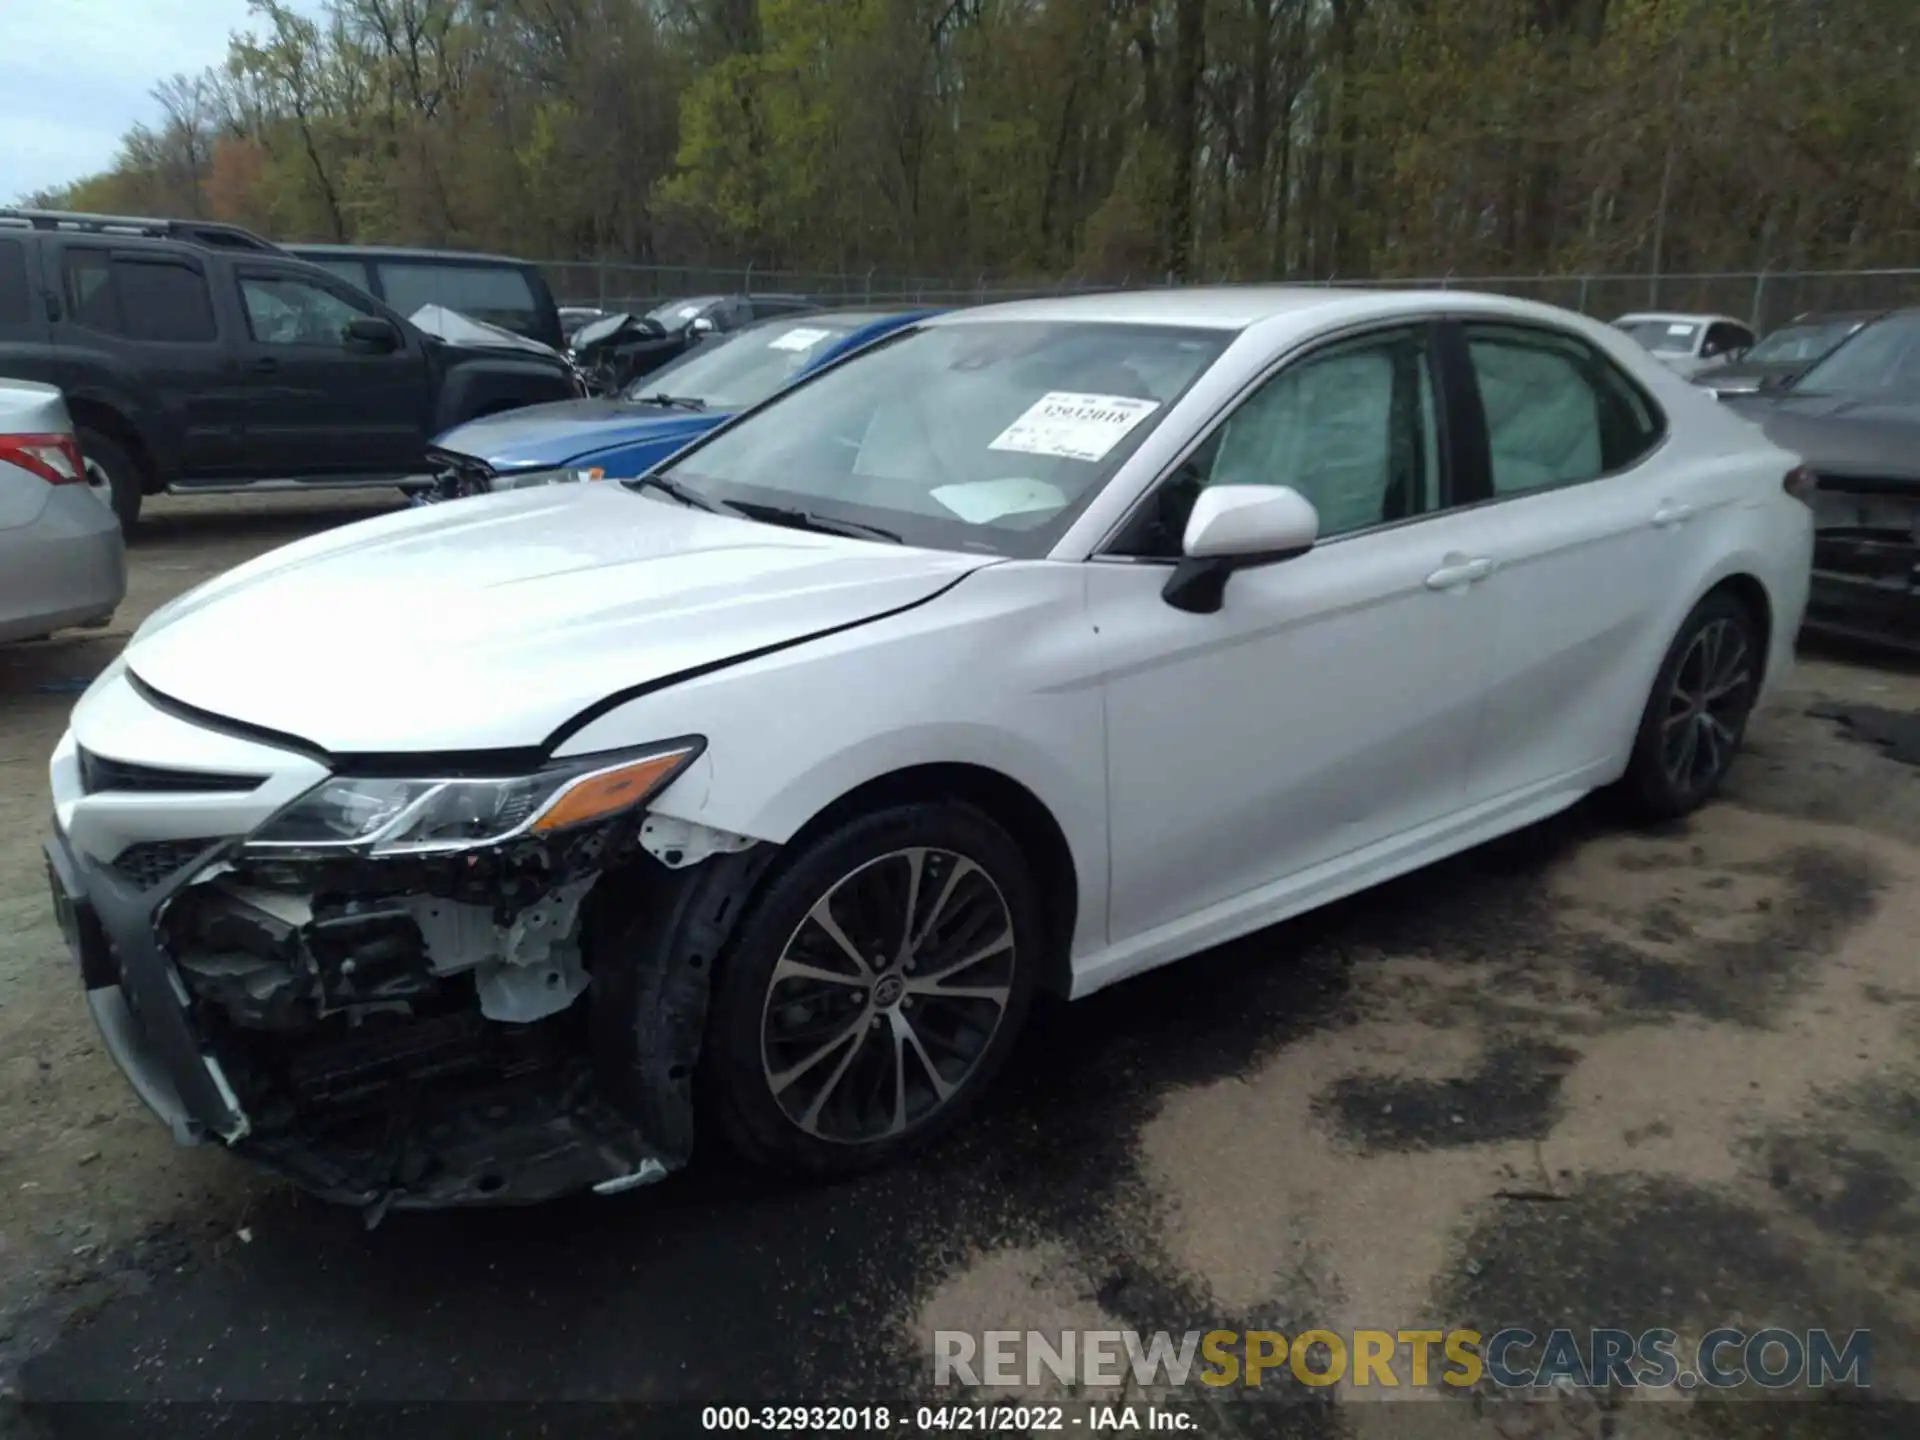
point(1037, 645)
point(1689, 344)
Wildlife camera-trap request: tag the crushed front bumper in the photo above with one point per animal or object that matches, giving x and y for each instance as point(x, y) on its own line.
point(136, 998)
point(445, 1110)
point(394, 1089)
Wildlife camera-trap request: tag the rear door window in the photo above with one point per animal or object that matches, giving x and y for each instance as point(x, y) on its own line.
point(1557, 411)
point(498, 294)
point(153, 298)
point(164, 300)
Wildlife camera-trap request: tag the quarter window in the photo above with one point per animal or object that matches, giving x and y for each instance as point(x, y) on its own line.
point(1557, 411)
point(14, 301)
point(1353, 428)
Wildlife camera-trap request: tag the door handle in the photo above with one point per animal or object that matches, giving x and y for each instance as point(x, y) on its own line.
point(1671, 514)
point(266, 365)
point(1459, 571)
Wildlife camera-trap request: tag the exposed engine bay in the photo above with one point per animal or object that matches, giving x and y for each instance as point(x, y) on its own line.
point(464, 1028)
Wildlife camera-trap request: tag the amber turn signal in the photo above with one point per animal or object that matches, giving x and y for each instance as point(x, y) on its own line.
point(592, 797)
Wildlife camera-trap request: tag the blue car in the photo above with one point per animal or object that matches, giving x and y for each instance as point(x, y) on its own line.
point(621, 437)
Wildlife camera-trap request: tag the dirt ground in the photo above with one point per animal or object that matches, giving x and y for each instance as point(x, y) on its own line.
point(82, 1166)
point(1582, 1077)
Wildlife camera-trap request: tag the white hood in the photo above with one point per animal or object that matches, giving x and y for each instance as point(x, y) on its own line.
point(489, 623)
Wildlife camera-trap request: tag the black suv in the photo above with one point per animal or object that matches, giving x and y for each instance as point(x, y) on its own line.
point(198, 357)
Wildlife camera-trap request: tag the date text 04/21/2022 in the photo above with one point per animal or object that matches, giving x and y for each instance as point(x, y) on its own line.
point(1016, 1419)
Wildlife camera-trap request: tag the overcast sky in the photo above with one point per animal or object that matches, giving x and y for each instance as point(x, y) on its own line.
point(75, 74)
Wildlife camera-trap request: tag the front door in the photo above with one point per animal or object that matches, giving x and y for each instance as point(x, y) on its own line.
point(1333, 702)
point(318, 408)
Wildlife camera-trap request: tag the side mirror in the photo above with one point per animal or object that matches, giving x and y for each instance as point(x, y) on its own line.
point(1236, 527)
point(701, 328)
point(372, 333)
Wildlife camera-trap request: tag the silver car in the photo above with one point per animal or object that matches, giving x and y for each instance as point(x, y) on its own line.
point(62, 561)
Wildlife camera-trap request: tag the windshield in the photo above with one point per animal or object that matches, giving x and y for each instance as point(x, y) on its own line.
point(675, 314)
point(595, 331)
point(1878, 357)
point(1663, 337)
point(984, 435)
point(745, 368)
point(1802, 342)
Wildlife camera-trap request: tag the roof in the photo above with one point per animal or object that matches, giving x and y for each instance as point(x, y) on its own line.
point(1682, 317)
point(1207, 307)
point(402, 252)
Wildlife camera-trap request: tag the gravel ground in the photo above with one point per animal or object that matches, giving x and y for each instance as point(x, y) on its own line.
point(1580, 1077)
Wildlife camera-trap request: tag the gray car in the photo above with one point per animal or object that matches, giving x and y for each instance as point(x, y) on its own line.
point(62, 561)
point(1854, 417)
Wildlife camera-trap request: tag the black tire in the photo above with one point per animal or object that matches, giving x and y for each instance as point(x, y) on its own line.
point(964, 1039)
point(1707, 683)
point(124, 478)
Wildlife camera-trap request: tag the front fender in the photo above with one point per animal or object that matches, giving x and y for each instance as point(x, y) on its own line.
point(1000, 672)
point(473, 388)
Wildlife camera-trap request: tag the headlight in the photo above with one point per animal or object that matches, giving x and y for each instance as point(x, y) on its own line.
point(415, 817)
point(533, 479)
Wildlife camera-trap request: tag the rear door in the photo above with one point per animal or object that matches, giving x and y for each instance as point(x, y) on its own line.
point(318, 406)
point(1583, 527)
point(151, 311)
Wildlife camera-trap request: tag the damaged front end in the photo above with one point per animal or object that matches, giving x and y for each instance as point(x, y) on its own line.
point(400, 1007)
point(1866, 560)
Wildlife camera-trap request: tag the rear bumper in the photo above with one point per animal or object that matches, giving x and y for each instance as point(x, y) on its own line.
point(68, 567)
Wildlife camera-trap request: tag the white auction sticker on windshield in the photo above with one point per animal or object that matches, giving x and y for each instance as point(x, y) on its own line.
point(1679, 329)
point(801, 339)
point(1074, 426)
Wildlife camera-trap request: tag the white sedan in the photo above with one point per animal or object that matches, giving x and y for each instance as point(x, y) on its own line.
point(453, 856)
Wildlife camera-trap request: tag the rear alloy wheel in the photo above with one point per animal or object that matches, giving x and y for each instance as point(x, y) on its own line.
point(1697, 715)
point(875, 990)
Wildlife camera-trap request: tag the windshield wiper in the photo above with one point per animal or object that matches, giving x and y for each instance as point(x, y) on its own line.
point(693, 499)
point(673, 402)
point(810, 520)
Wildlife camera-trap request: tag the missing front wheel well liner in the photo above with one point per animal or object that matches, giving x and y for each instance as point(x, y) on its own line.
point(652, 938)
point(1015, 809)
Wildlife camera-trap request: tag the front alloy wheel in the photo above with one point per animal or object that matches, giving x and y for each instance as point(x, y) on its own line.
point(887, 995)
point(874, 988)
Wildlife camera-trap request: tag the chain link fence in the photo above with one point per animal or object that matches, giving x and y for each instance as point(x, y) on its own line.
point(1764, 299)
point(613, 285)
